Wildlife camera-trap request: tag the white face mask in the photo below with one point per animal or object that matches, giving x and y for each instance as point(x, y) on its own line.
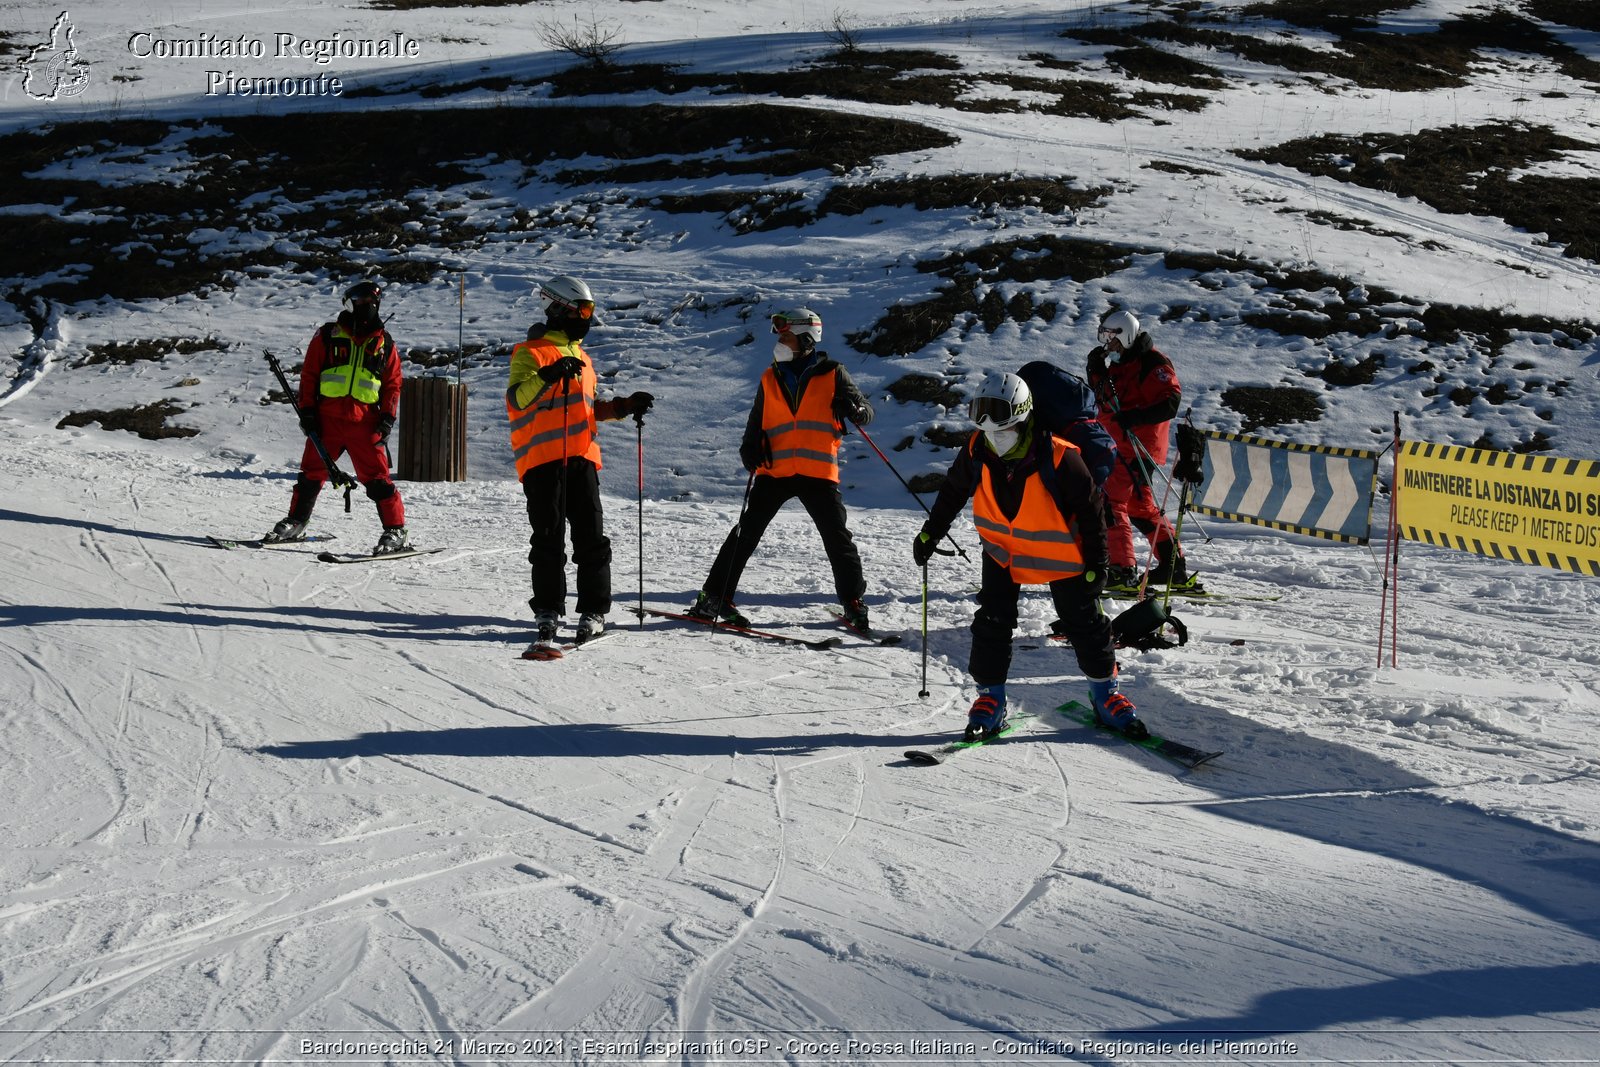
point(1002, 441)
point(781, 353)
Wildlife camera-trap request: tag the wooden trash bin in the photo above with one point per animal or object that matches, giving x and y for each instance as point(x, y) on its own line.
point(433, 431)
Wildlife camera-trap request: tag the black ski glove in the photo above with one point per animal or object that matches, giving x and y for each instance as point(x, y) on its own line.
point(563, 369)
point(922, 548)
point(757, 457)
point(846, 410)
point(384, 427)
point(1190, 467)
point(310, 424)
point(639, 403)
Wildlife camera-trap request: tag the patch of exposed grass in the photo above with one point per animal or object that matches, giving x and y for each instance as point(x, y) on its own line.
point(891, 77)
point(1402, 63)
point(1334, 220)
point(1168, 68)
point(1052, 62)
point(148, 421)
point(1341, 17)
point(771, 209)
point(906, 328)
point(1464, 170)
point(1052, 195)
point(1103, 101)
point(991, 284)
point(1366, 56)
point(1581, 14)
point(1362, 372)
point(1260, 406)
point(350, 213)
point(153, 350)
point(925, 389)
point(1180, 168)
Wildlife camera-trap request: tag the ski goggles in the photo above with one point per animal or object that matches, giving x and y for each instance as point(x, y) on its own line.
point(993, 413)
point(584, 309)
point(1112, 334)
point(782, 323)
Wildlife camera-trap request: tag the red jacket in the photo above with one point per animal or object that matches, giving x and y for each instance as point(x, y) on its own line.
point(1138, 394)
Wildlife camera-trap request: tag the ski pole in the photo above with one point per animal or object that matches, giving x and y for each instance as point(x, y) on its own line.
point(731, 546)
point(1139, 445)
point(638, 424)
point(924, 693)
point(340, 479)
point(943, 552)
point(1391, 571)
point(561, 475)
point(865, 437)
point(1177, 541)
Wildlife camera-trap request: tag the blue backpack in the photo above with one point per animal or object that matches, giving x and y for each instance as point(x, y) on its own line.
point(1064, 404)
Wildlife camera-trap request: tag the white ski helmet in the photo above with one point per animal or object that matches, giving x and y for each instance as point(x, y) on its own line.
point(1119, 326)
point(568, 297)
point(802, 322)
point(1002, 402)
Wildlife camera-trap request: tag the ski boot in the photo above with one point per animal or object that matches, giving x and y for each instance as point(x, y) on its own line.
point(1115, 711)
point(547, 624)
point(1171, 568)
point(1121, 578)
point(988, 714)
point(708, 608)
point(590, 626)
point(290, 529)
point(394, 539)
point(855, 617)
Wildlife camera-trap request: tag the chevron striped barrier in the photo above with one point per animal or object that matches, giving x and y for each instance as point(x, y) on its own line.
point(1305, 489)
point(1541, 510)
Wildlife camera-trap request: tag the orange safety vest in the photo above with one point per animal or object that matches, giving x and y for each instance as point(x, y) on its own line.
point(1040, 545)
point(560, 423)
point(804, 441)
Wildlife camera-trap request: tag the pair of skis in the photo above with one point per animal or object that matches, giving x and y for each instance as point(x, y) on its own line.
point(325, 557)
point(1176, 751)
point(769, 635)
point(549, 650)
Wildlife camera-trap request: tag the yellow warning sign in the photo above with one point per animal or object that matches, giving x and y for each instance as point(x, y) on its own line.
point(1542, 510)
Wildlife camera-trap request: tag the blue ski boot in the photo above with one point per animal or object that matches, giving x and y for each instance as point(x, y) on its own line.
point(1115, 711)
point(988, 714)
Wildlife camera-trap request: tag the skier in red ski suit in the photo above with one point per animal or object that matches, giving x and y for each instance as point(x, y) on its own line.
point(1138, 392)
point(350, 397)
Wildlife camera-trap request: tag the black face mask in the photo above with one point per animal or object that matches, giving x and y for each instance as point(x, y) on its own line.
point(575, 328)
point(364, 317)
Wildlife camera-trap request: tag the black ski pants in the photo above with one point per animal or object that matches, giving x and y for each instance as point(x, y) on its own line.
point(1085, 625)
point(822, 502)
point(561, 495)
